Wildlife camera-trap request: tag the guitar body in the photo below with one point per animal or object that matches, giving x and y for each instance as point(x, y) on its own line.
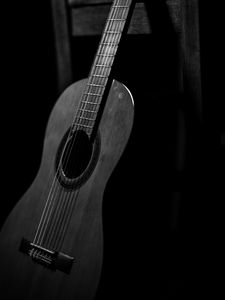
point(21, 277)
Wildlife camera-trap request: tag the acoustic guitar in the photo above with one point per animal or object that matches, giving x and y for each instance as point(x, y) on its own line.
point(51, 245)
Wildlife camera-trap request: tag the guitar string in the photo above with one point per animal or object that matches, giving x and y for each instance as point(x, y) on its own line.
point(69, 205)
point(59, 237)
point(59, 207)
point(65, 208)
point(78, 127)
point(49, 204)
point(65, 221)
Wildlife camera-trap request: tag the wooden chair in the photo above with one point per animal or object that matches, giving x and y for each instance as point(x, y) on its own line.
point(72, 18)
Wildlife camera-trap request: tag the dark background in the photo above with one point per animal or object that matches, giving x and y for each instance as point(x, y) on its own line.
point(158, 241)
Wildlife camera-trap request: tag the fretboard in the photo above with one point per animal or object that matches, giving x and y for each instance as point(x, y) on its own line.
point(102, 65)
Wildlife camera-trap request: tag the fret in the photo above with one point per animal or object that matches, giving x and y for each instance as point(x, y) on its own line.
point(112, 32)
point(93, 94)
point(85, 123)
point(96, 89)
point(88, 102)
point(91, 104)
point(104, 60)
point(107, 50)
point(105, 55)
point(85, 126)
point(85, 104)
point(96, 85)
point(112, 37)
point(99, 80)
point(97, 75)
point(114, 27)
point(120, 13)
point(89, 108)
point(102, 66)
point(101, 71)
point(89, 111)
point(109, 44)
point(116, 19)
point(86, 119)
point(120, 6)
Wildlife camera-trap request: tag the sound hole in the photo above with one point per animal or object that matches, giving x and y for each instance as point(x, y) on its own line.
point(76, 155)
point(76, 158)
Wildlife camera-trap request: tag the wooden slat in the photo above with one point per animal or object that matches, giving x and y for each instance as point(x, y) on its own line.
point(91, 20)
point(62, 43)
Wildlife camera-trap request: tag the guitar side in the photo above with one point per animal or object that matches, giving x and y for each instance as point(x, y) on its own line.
point(22, 277)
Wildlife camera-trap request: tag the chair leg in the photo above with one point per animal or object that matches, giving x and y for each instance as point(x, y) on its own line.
point(61, 24)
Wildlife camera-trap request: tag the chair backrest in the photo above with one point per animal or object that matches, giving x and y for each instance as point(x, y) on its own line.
point(74, 18)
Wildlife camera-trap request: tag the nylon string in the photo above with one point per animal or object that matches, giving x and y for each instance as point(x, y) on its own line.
point(64, 206)
point(103, 62)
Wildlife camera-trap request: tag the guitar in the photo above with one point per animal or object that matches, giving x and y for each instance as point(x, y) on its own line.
point(51, 245)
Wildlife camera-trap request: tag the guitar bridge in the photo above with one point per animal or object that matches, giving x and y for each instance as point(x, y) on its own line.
point(51, 259)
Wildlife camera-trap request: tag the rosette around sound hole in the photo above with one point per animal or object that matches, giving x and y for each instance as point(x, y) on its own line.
point(76, 158)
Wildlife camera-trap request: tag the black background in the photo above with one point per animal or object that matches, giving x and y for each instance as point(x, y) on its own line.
point(143, 251)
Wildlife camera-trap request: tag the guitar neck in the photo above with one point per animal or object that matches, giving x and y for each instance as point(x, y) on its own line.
point(102, 65)
point(109, 43)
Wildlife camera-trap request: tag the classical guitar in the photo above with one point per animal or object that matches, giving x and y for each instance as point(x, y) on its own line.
point(51, 245)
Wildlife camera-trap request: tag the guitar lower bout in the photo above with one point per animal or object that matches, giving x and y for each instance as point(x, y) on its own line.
point(74, 229)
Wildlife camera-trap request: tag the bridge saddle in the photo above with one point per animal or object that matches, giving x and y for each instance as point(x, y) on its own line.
point(51, 259)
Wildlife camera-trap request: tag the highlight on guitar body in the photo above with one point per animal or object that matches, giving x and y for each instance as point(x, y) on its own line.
point(51, 245)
